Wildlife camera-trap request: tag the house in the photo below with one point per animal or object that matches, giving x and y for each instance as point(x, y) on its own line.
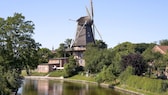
point(43, 68)
point(77, 52)
point(53, 64)
point(163, 50)
point(160, 49)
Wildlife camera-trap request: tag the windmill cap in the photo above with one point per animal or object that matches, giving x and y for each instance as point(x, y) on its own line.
point(85, 19)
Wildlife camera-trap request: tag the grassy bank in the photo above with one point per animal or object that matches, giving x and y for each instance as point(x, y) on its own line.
point(81, 77)
point(33, 73)
point(146, 85)
point(58, 73)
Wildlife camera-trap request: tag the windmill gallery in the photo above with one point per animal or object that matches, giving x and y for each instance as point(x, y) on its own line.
point(85, 33)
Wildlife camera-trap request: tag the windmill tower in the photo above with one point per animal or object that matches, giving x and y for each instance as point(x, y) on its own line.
point(85, 34)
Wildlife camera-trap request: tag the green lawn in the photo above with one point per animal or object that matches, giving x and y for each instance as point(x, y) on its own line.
point(82, 77)
point(33, 73)
point(57, 73)
point(141, 91)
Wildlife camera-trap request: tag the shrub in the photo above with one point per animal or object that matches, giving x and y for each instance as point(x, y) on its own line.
point(106, 75)
point(70, 67)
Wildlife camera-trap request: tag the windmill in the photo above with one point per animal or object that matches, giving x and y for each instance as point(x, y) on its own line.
point(85, 34)
point(85, 29)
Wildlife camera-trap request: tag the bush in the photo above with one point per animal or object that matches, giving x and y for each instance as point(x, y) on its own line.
point(70, 67)
point(106, 75)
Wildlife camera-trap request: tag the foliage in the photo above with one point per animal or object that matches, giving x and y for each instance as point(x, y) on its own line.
point(124, 49)
point(100, 44)
point(3, 88)
point(163, 42)
point(141, 47)
point(158, 60)
point(61, 51)
point(18, 50)
point(106, 75)
point(126, 74)
point(96, 57)
point(10, 81)
point(44, 55)
point(70, 67)
point(149, 55)
point(136, 61)
point(68, 43)
point(119, 51)
point(147, 84)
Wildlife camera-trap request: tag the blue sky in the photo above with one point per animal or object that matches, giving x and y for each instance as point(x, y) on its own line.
point(118, 21)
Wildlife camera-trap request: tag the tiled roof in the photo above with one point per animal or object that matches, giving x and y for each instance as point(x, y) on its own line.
point(164, 48)
point(161, 49)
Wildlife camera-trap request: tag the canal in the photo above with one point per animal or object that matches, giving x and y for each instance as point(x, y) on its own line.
point(61, 87)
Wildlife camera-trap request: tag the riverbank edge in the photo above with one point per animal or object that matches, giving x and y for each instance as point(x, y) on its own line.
point(84, 81)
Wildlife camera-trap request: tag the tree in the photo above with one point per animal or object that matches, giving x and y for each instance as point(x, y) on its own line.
point(97, 55)
point(70, 67)
point(18, 43)
point(18, 50)
point(92, 57)
point(163, 42)
point(44, 55)
point(141, 47)
point(100, 44)
point(149, 55)
point(68, 43)
point(123, 49)
point(61, 51)
point(136, 61)
point(108, 73)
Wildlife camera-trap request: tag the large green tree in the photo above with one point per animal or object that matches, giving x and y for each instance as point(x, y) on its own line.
point(70, 67)
point(18, 50)
point(96, 56)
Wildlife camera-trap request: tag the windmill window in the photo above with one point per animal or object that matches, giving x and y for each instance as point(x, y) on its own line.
point(88, 34)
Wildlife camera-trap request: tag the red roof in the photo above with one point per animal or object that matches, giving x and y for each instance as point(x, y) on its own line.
point(162, 49)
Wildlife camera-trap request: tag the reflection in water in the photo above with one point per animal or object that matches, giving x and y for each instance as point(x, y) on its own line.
point(59, 87)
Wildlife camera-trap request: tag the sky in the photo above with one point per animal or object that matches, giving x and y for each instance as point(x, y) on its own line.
point(136, 21)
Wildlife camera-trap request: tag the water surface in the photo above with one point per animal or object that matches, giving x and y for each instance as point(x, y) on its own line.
point(60, 87)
